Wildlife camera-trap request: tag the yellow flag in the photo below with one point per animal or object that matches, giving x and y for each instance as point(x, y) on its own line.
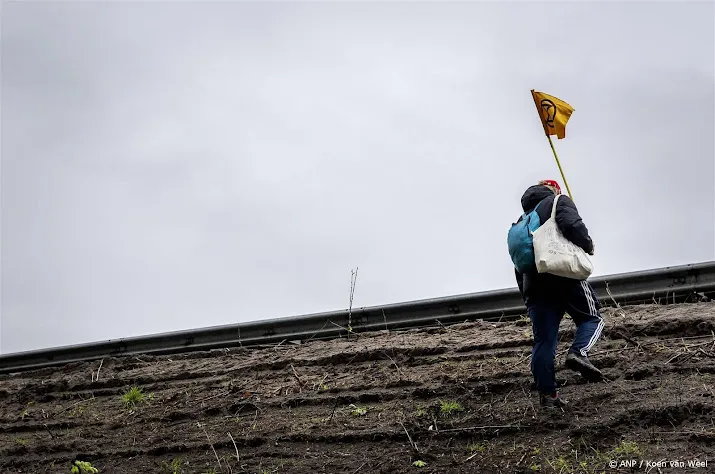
point(554, 113)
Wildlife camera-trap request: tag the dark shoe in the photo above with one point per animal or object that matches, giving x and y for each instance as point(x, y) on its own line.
point(581, 364)
point(552, 400)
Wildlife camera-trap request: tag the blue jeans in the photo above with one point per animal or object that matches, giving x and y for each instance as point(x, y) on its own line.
point(581, 303)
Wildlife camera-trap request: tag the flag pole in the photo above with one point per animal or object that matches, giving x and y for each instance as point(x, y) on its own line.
point(546, 132)
point(558, 163)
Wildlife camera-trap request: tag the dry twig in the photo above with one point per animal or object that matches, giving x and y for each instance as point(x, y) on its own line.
point(238, 458)
point(492, 427)
point(412, 443)
point(470, 457)
point(300, 382)
point(529, 398)
point(396, 366)
point(214, 396)
point(353, 280)
point(210, 443)
point(96, 378)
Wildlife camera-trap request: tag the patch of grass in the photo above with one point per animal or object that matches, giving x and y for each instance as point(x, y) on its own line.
point(22, 441)
point(26, 411)
point(135, 396)
point(358, 411)
point(660, 347)
point(419, 463)
point(598, 457)
point(477, 447)
point(535, 467)
point(421, 411)
point(174, 467)
point(83, 467)
point(586, 461)
point(450, 407)
point(77, 411)
point(561, 465)
point(628, 448)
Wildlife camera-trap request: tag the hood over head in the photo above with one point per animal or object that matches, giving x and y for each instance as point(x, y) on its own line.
point(534, 195)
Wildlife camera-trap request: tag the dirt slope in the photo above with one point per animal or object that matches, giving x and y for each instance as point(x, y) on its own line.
point(346, 406)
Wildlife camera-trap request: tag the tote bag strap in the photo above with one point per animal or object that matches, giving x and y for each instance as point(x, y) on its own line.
point(553, 209)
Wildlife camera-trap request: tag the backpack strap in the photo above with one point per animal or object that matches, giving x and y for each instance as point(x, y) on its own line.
point(523, 216)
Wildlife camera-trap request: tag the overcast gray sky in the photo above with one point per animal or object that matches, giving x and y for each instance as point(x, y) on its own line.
point(172, 165)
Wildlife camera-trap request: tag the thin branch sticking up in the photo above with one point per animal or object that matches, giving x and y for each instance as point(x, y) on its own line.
point(238, 458)
point(353, 280)
point(412, 443)
point(300, 382)
point(96, 378)
point(212, 446)
point(608, 290)
point(395, 363)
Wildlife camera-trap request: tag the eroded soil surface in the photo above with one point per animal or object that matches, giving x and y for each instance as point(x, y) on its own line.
point(347, 406)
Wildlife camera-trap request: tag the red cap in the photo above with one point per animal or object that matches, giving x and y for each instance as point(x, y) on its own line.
point(552, 183)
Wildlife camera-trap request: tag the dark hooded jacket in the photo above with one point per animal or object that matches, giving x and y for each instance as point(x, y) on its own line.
point(544, 286)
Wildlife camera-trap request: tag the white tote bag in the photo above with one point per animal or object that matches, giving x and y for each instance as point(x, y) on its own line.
point(557, 255)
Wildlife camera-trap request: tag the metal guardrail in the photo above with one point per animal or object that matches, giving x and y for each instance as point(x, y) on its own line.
point(670, 284)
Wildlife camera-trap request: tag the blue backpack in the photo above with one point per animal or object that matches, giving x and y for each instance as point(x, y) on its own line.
point(521, 242)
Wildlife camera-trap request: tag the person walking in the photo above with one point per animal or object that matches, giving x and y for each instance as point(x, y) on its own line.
point(547, 297)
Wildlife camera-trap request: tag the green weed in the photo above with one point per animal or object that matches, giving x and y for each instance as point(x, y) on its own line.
point(77, 411)
point(83, 467)
point(561, 465)
point(26, 411)
point(451, 407)
point(134, 396)
point(477, 448)
point(174, 467)
point(628, 448)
